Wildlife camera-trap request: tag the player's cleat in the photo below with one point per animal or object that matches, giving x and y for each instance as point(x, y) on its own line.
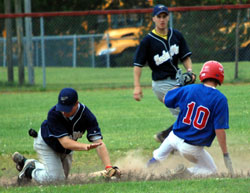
point(19, 159)
point(152, 162)
point(159, 137)
point(25, 174)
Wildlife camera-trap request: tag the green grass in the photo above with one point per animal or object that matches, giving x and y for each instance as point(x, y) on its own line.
point(127, 126)
point(201, 186)
point(97, 78)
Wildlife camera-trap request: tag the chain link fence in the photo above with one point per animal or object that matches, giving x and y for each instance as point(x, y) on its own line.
point(109, 39)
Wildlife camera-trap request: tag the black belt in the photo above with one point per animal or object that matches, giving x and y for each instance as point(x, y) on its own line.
point(171, 76)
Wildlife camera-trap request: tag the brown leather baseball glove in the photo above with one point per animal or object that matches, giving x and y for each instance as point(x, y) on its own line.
point(114, 171)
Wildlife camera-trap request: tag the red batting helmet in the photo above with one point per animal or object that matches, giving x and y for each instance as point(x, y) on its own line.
point(212, 69)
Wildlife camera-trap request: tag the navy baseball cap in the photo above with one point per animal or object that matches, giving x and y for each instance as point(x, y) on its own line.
point(160, 9)
point(66, 100)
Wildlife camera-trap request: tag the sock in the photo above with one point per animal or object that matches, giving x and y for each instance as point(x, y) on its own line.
point(29, 171)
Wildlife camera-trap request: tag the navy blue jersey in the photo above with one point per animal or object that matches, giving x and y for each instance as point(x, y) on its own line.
point(162, 55)
point(202, 110)
point(57, 126)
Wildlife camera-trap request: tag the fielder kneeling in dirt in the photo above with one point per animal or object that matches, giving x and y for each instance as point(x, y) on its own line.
point(203, 115)
point(57, 139)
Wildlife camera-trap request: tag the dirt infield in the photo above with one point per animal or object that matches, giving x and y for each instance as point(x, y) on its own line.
point(133, 168)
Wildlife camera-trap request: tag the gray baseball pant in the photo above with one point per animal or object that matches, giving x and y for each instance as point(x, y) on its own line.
point(52, 166)
point(160, 89)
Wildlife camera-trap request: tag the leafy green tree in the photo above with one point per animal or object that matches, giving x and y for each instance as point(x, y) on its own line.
point(178, 3)
point(81, 5)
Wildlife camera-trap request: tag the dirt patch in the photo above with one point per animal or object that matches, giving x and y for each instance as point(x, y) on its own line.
point(133, 168)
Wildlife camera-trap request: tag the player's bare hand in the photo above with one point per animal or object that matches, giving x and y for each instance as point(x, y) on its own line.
point(138, 93)
point(92, 146)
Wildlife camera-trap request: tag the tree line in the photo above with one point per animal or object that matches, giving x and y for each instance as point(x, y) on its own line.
point(83, 5)
point(17, 6)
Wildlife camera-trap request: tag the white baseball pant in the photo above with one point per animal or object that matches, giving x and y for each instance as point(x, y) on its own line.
point(203, 161)
point(52, 166)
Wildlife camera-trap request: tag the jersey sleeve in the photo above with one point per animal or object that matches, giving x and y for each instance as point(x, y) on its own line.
point(140, 57)
point(172, 97)
point(221, 115)
point(91, 124)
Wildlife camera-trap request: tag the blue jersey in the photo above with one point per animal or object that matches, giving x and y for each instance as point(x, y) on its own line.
point(57, 126)
point(162, 55)
point(202, 110)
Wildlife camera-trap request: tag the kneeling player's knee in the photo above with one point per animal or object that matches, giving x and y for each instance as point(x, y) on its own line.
point(56, 176)
point(43, 176)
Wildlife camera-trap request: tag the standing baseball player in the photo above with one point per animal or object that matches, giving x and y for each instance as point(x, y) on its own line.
point(162, 48)
point(57, 139)
point(203, 115)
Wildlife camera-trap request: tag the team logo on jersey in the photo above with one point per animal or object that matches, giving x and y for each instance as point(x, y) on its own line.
point(76, 135)
point(166, 55)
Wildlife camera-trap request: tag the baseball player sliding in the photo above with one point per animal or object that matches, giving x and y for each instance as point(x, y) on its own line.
point(57, 139)
point(203, 115)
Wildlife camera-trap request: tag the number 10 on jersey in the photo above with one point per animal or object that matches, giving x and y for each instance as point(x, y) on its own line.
point(200, 118)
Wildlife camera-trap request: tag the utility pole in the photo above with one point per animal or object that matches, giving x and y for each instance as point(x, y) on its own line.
point(8, 27)
point(28, 34)
point(237, 46)
point(237, 42)
point(19, 31)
